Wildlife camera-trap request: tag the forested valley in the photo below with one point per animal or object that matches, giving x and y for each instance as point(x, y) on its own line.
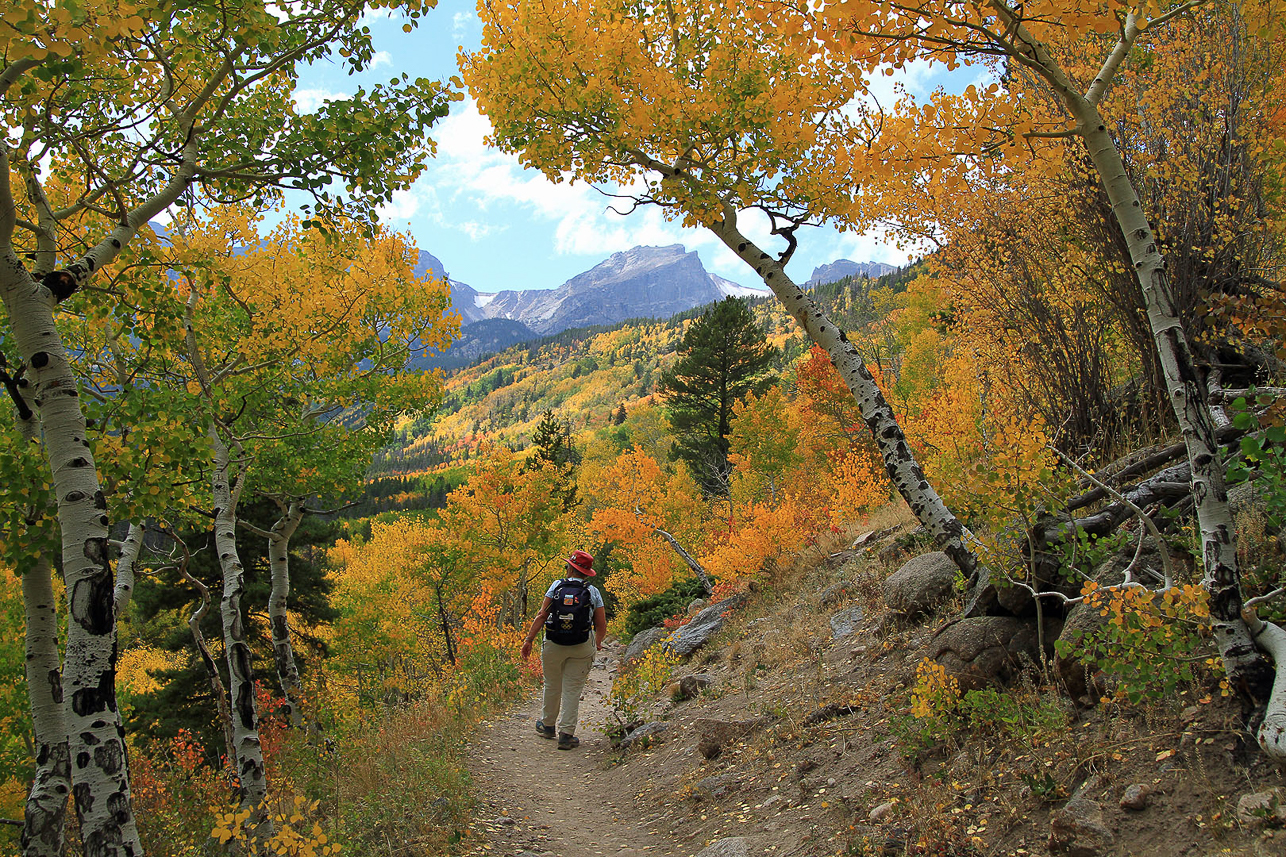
point(263, 579)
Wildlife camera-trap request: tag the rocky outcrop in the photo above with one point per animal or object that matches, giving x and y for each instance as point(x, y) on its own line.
point(645, 735)
point(841, 268)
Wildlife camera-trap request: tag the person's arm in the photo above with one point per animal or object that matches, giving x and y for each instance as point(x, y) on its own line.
point(600, 627)
point(536, 622)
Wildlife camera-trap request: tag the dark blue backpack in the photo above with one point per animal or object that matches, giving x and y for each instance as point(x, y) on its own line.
point(571, 615)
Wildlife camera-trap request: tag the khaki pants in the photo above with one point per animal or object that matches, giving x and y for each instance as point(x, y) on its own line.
point(566, 668)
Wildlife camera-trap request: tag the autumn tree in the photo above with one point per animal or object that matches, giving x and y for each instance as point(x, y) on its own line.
point(719, 111)
point(114, 111)
point(723, 358)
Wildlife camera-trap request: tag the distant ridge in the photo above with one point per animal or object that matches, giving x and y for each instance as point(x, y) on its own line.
point(841, 268)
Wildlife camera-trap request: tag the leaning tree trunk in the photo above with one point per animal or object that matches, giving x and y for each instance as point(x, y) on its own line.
point(93, 722)
point(46, 808)
point(245, 718)
point(130, 550)
point(1243, 662)
point(904, 471)
point(283, 652)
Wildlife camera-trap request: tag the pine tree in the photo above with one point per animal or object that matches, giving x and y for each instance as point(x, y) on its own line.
point(723, 357)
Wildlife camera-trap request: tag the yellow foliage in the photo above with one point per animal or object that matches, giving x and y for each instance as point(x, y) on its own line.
point(293, 835)
point(135, 668)
point(935, 692)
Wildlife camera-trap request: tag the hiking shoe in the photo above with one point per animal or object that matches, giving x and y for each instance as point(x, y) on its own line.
point(568, 742)
point(544, 731)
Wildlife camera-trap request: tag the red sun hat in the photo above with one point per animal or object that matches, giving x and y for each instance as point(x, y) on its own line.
point(582, 562)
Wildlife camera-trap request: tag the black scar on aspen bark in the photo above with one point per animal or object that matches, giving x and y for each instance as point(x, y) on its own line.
point(118, 806)
point(89, 739)
point(91, 602)
point(78, 462)
point(84, 796)
point(75, 497)
point(108, 758)
point(55, 680)
point(100, 500)
point(82, 759)
point(39, 360)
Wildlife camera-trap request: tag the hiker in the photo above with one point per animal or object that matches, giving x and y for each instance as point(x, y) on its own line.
point(571, 610)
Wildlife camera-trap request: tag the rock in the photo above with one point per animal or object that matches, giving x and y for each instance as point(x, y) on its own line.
point(881, 812)
point(985, 650)
point(703, 626)
point(717, 734)
point(645, 735)
point(691, 686)
point(922, 585)
point(712, 787)
point(530, 854)
point(1135, 797)
point(504, 821)
point(771, 801)
point(1078, 829)
point(732, 847)
point(846, 622)
point(697, 606)
point(1261, 808)
point(1076, 675)
point(643, 641)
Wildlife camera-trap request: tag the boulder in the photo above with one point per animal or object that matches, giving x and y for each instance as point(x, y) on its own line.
point(643, 641)
point(1078, 829)
point(732, 847)
point(713, 788)
point(717, 734)
point(1136, 797)
point(645, 735)
point(703, 626)
point(846, 622)
point(1258, 809)
point(691, 686)
point(985, 650)
point(922, 585)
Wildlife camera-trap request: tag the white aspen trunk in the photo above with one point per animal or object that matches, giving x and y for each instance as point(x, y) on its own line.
point(903, 470)
point(45, 813)
point(46, 808)
point(1272, 732)
point(250, 768)
point(1242, 661)
point(130, 549)
point(219, 692)
point(278, 600)
point(96, 737)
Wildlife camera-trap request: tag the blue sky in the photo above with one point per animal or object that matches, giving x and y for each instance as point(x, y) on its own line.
point(498, 226)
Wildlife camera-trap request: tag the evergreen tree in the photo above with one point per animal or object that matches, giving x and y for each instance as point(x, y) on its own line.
point(723, 357)
point(551, 446)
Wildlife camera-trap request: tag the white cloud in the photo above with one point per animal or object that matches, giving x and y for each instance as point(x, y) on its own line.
point(370, 15)
point(381, 58)
point(309, 100)
point(461, 23)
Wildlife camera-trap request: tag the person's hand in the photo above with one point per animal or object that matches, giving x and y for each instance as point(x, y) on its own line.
point(526, 650)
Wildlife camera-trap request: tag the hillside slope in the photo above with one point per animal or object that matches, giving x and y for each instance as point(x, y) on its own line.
point(817, 675)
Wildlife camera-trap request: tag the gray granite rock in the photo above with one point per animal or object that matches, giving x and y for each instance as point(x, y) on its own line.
point(846, 622)
point(922, 585)
point(703, 626)
point(645, 735)
point(642, 641)
point(732, 847)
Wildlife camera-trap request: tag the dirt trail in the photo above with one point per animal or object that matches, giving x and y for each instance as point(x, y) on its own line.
point(537, 799)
